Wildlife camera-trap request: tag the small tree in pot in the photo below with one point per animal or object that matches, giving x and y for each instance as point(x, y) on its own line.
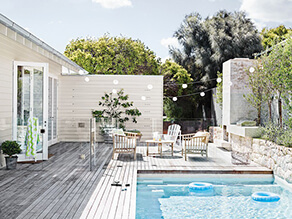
point(10, 148)
point(117, 109)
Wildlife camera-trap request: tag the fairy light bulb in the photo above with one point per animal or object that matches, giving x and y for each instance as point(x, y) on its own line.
point(174, 98)
point(202, 94)
point(184, 86)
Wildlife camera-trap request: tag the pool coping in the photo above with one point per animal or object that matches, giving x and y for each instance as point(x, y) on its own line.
point(204, 172)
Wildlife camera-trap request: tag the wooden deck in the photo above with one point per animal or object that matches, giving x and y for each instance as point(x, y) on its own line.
point(57, 188)
point(63, 186)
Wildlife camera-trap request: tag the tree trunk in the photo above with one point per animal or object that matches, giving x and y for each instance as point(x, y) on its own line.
point(280, 110)
point(270, 110)
point(259, 114)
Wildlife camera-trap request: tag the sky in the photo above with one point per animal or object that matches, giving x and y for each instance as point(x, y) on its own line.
point(154, 22)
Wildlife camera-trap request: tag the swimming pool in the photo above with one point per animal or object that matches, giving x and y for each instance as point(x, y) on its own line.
point(168, 197)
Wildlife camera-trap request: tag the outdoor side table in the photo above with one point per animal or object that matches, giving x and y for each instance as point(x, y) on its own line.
point(160, 143)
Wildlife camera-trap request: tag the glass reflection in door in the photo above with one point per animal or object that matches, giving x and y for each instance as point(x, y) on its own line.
point(29, 102)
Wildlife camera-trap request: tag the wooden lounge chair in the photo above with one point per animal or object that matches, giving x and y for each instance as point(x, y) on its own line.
point(195, 143)
point(125, 142)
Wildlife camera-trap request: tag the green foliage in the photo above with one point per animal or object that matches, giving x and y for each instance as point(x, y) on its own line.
point(273, 36)
point(174, 76)
point(116, 107)
point(207, 43)
point(277, 134)
point(219, 90)
point(277, 66)
point(257, 84)
point(10, 148)
point(113, 55)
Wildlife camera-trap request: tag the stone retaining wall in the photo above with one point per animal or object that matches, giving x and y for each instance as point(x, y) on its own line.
point(270, 155)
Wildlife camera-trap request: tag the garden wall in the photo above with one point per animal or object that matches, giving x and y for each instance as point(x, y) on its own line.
point(78, 98)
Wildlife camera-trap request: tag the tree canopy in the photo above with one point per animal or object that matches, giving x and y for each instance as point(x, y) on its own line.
point(272, 36)
point(174, 77)
point(113, 55)
point(207, 43)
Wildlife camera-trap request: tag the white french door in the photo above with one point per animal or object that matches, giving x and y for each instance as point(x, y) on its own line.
point(52, 109)
point(30, 100)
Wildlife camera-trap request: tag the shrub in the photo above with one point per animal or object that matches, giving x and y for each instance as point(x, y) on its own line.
point(274, 133)
point(10, 148)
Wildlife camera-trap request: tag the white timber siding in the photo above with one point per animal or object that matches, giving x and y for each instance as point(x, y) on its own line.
point(14, 47)
point(78, 98)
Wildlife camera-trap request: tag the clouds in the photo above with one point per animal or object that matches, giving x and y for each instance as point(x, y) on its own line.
point(171, 41)
point(268, 10)
point(112, 4)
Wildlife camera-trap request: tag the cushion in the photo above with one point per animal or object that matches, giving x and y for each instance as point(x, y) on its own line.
point(203, 134)
point(118, 131)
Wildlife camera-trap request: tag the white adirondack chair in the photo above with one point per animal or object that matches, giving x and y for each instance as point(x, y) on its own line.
point(174, 133)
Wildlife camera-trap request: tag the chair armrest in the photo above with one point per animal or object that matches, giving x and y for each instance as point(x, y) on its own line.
point(187, 136)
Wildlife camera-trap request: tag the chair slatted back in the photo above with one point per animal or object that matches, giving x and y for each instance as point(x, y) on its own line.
point(174, 130)
point(198, 143)
point(124, 142)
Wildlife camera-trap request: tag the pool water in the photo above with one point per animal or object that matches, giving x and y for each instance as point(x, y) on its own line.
point(230, 198)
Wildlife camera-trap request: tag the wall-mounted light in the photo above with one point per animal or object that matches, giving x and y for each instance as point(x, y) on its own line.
point(184, 86)
point(86, 79)
point(174, 98)
point(150, 86)
point(115, 82)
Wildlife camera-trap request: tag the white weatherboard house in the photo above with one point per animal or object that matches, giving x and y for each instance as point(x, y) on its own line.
point(38, 81)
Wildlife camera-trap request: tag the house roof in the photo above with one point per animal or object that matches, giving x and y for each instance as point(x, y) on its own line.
point(29, 36)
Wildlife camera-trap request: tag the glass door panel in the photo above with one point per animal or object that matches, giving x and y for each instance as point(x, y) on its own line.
point(50, 102)
point(37, 104)
point(52, 111)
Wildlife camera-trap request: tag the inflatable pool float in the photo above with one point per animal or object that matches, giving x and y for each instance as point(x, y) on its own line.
point(200, 187)
point(265, 197)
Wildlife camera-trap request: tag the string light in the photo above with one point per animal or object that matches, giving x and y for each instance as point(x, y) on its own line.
point(114, 91)
point(86, 79)
point(174, 98)
point(143, 98)
point(197, 82)
point(184, 86)
point(218, 80)
point(115, 82)
point(150, 86)
point(202, 94)
point(251, 69)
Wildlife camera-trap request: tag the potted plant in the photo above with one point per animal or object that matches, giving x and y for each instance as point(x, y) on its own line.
point(10, 148)
point(117, 110)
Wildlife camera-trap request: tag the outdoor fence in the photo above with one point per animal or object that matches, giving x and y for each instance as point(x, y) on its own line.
point(190, 125)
